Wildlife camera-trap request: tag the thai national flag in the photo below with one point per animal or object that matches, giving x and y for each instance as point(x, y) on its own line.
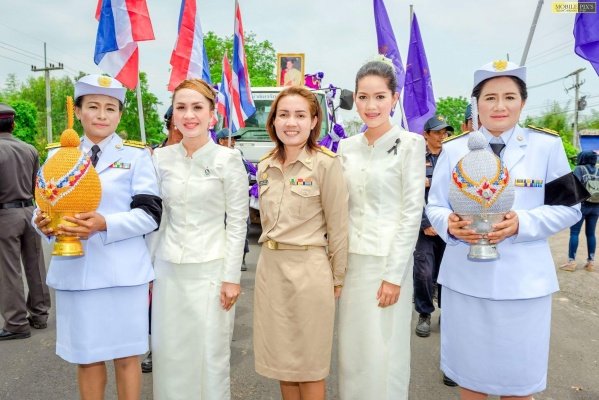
point(241, 80)
point(221, 98)
point(233, 110)
point(122, 23)
point(189, 59)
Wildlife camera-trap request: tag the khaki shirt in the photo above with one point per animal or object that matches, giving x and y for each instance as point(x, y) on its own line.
point(306, 205)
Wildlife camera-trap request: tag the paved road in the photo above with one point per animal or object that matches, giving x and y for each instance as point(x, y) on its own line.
point(29, 369)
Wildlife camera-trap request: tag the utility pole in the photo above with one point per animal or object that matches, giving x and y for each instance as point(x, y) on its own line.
point(47, 68)
point(576, 86)
point(531, 32)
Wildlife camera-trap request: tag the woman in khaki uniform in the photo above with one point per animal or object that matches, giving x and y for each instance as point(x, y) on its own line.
point(303, 206)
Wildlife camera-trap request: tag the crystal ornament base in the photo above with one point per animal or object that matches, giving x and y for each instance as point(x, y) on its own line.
point(482, 224)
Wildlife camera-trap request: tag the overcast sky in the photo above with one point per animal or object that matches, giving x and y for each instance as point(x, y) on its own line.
point(337, 36)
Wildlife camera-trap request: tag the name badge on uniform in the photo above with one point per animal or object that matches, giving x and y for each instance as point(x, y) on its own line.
point(300, 181)
point(263, 181)
point(526, 182)
point(121, 165)
point(428, 164)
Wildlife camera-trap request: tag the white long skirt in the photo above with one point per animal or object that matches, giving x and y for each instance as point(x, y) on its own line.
point(374, 342)
point(191, 333)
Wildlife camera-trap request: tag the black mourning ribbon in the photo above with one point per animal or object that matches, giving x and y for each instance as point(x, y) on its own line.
point(95, 157)
point(566, 190)
point(151, 204)
point(497, 147)
point(394, 148)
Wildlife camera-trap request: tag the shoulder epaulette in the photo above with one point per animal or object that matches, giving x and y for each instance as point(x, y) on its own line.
point(54, 145)
point(447, 139)
point(326, 151)
point(267, 155)
point(544, 130)
point(134, 143)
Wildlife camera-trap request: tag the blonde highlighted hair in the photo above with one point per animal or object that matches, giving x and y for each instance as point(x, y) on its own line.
point(200, 86)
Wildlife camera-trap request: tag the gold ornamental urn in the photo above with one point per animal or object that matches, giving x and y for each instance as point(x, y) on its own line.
point(67, 184)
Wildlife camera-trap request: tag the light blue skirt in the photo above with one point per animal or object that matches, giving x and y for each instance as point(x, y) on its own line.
point(101, 324)
point(498, 347)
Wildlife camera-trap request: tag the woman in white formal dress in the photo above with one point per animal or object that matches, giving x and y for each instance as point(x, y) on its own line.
point(384, 169)
point(497, 313)
point(198, 255)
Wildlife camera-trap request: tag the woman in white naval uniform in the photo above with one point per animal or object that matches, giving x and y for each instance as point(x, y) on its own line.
point(384, 170)
point(198, 255)
point(102, 297)
point(497, 314)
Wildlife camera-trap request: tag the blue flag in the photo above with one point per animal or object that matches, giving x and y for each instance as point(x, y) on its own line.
point(386, 41)
point(418, 100)
point(586, 37)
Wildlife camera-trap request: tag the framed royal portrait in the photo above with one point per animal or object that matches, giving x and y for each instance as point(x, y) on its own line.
point(290, 69)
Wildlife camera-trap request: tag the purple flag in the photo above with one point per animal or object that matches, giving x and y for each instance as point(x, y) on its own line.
point(586, 37)
point(386, 41)
point(418, 100)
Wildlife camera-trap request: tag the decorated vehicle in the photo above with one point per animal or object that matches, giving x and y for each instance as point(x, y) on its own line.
point(254, 141)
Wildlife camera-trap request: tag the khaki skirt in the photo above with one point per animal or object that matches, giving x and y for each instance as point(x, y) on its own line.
point(294, 313)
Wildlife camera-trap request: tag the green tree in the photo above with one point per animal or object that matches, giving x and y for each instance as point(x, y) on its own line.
point(260, 57)
point(129, 126)
point(591, 122)
point(34, 91)
point(453, 109)
point(25, 121)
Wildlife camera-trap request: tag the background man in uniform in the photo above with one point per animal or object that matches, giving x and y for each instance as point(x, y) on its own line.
point(467, 125)
point(429, 247)
point(19, 242)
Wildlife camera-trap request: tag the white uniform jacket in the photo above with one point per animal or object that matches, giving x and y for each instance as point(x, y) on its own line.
point(117, 256)
point(386, 197)
point(197, 192)
point(525, 268)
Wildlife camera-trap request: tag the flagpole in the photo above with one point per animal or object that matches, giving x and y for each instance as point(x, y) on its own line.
point(403, 113)
point(140, 110)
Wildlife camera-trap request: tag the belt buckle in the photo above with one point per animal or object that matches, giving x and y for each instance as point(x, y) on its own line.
point(272, 245)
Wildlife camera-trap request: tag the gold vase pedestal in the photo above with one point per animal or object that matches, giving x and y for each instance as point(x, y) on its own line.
point(67, 246)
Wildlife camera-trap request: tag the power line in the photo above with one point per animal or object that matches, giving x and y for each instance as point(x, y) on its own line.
point(552, 50)
point(12, 59)
point(546, 83)
point(36, 58)
point(568, 53)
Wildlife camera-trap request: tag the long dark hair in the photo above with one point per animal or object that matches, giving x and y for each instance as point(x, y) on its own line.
point(381, 69)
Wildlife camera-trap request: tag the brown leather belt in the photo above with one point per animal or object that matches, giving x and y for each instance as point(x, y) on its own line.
point(16, 204)
point(272, 245)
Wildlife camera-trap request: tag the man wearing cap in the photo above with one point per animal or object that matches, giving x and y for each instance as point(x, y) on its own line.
point(19, 242)
point(227, 139)
point(429, 247)
point(173, 135)
point(467, 125)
